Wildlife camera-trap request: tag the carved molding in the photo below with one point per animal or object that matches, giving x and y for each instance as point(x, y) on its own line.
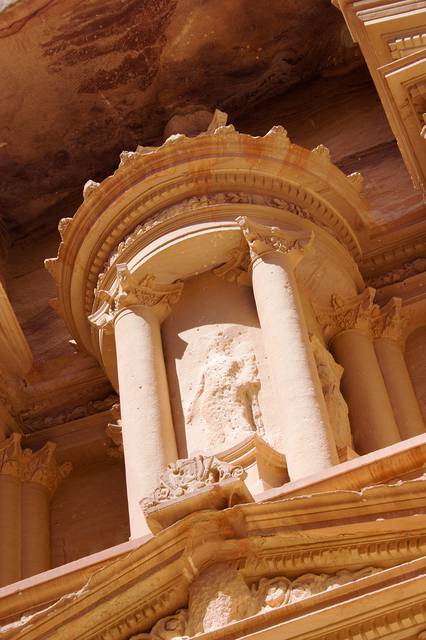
point(263, 240)
point(344, 314)
point(334, 227)
point(147, 293)
point(184, 476)
point(212, 606)
point(406, 270)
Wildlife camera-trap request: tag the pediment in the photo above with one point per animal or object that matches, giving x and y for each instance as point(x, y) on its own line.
point(291, 559)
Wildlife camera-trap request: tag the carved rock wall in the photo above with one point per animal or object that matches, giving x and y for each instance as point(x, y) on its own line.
point(415, 354)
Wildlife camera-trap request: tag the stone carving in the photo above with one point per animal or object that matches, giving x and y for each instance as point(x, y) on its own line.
point(11, 455)
point(357, 180)
point(114, 432)
point(41, 467)
point(388, 323)
point(262, 240)
point(407, 270)
point(147, 293)
point(225, 407)
point(196, 202)
point(32, 466)
point(323, 151)
point(236, 268)
point(352, 313)
point(89, 188)
point(330, 374)
point(184, 476)
point(81, 411)
point(220, 595)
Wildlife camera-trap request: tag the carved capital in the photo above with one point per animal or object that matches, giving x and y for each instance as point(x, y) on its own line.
point(11, 456)
point(263, 240)
point(344, 314)
point(237, 267)
point(187, 475)
point(41, 467)
point(148, 293)
point(389, 322)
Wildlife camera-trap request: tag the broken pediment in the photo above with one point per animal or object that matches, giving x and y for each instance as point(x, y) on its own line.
point(241, 570)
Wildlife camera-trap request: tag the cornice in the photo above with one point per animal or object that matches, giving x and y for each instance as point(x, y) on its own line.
point(323, 533)
point(173, 185)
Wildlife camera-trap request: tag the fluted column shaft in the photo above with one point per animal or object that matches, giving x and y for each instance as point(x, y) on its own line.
point(306, 437)
point(135, 314)
point(387, 331)
point(348, 323)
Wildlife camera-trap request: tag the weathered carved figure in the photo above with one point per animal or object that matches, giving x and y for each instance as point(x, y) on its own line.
point(225, 405)
point(330, 374)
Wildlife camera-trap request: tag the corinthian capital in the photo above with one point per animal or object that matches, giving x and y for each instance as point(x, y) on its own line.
point(263, 240)
point(11, 456)
point(351, 313)
point(148, 293)
point(41, 467)
point(389, 322)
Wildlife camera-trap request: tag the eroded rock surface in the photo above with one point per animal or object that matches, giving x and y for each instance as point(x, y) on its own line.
point(80, 82)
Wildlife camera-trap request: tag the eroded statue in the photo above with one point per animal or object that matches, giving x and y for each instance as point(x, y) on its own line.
point(225, 407)
point(330, 374)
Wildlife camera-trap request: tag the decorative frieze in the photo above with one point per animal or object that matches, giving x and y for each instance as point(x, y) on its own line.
point(147, 293)
point(191, 474)
point(263, 240)
point(406, 270)
point(344, 314)
point(220, 596)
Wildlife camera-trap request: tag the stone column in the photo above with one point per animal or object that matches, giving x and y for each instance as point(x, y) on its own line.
point(149, 442)
point(41, 476)
point(387, 332)
point(347, 326)
point(10, 510)
point(306, 437)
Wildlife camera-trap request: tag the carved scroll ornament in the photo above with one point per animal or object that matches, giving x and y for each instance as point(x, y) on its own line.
point(190, 474)
point(263, 240)
point(148, 293)
point(219, 596)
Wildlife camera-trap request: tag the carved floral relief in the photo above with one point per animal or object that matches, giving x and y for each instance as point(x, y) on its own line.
point(220, 596)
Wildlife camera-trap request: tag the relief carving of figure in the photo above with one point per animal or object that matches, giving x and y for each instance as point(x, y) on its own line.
point(225, 406)
point(330, 374)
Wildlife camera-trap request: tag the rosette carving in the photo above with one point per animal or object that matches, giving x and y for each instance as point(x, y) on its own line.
point(190, 474)
point(147, 293)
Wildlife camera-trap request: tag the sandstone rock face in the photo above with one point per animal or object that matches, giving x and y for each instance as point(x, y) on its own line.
point(82, 82)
